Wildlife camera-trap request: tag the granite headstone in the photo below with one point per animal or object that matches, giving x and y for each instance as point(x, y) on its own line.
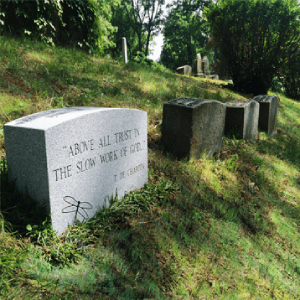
point(205, 66)
point(197, 66)
point(73, 160)
point(192, 126)
point(267, 113)
point(242, 119)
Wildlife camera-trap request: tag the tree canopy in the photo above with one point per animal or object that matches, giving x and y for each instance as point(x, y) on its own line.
point(145, 18)
point(185, 33)
point(256, 37)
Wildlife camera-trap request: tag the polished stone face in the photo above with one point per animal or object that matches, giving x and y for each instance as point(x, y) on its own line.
point(73, 160)
point(242, 119)
point(267, 113)
point(192, 126)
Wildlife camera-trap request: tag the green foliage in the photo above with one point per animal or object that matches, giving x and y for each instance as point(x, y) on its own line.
point(42, 234)
point(231, 163)
point(123, 22)
point(138, 21)
point(83, 23)
point(142, 59)
point(289, 76)
point(11, 259)
point(132, 204)
point(277, 86)
point(255, 37)
point(32, 18)
point(185, 34)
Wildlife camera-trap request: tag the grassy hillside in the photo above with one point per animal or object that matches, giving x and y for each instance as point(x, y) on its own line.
point(221, 228)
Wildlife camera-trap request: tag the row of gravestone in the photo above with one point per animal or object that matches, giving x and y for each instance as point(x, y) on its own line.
point(73, 160)
point(200, 68)
point(192, 126)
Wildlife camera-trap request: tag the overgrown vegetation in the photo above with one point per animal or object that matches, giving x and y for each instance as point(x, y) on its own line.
point(256, 38)
point(220, 228)
point(289, 76)
point(254, 43)
point(81, 23)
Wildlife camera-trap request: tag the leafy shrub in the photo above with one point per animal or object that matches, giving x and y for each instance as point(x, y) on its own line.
point(142, 59)
point(277, 85)
point(85, 23)
point(255, 37)
point(290, 76)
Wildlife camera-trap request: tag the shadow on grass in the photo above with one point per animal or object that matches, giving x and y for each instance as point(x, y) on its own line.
point(18, 210)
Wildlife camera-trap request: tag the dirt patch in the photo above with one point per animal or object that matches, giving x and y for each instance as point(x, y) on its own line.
point(18, 82)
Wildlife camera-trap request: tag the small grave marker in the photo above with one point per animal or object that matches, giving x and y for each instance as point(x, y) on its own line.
point(73, 160)
point(197, 66)
point(185, 70)
point(124, 50)
point(192, 126)
point(205, 66)
point(267, 113)
point(242, 119)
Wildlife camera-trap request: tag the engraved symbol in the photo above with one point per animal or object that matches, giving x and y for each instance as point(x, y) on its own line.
point(77, 207)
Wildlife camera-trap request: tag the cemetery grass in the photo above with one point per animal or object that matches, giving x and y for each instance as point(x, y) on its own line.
point(220, 228)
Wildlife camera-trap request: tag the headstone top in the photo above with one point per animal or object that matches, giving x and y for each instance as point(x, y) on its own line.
point(46, 119)
point(264, 98)
point(188, 102)
point(237, 103)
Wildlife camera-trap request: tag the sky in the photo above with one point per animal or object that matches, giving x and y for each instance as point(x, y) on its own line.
point(157, 48)
point(158, 40)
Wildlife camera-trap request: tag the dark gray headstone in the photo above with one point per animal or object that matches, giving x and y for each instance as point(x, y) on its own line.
point(242, 119)
point(73, 160)
point(184, 70)
point(192, 126)
point(267, 113)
